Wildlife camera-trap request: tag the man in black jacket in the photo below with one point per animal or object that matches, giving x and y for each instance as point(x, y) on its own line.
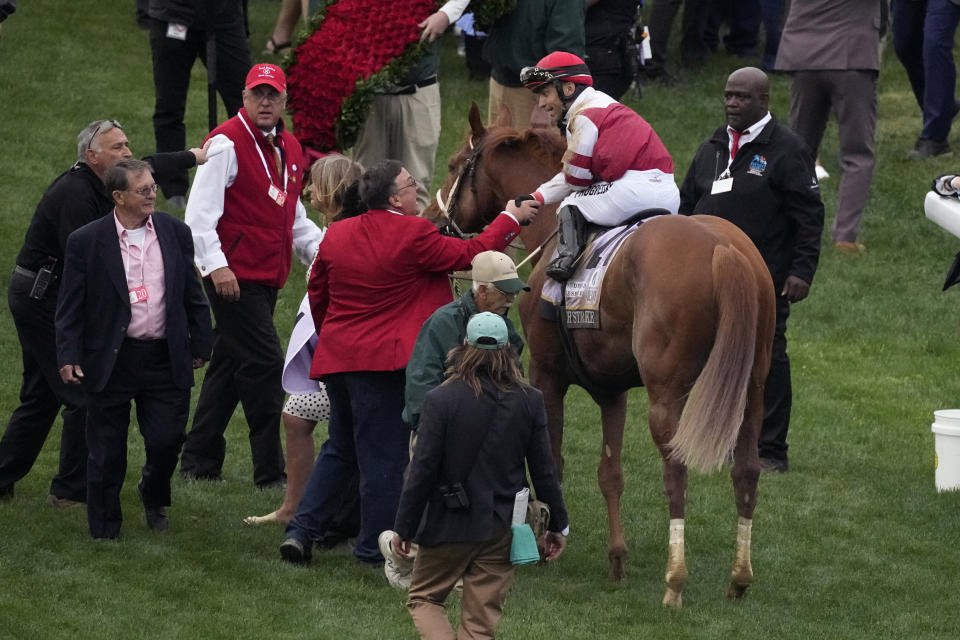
point(132, 324)
point(75, 198)
point(759, 175)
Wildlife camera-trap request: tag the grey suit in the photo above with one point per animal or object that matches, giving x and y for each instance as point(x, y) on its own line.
point(832, 49)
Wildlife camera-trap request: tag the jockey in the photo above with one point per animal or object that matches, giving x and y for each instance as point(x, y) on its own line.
point(615, 164)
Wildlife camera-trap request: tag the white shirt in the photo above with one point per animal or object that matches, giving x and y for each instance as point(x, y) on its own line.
point(752, 132)
point(205, 207)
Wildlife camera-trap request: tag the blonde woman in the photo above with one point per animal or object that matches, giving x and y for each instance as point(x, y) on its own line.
point(333, 193)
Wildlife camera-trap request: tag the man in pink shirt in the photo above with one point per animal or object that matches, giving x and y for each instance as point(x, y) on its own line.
point(132, 324)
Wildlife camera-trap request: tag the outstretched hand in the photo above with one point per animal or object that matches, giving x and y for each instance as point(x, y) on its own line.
point(525, 212)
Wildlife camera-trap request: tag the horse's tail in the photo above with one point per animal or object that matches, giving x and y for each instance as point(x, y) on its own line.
point(715, 407)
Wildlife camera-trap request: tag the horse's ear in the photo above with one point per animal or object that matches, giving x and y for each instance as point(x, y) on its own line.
point(476, 124)
point(505, 117)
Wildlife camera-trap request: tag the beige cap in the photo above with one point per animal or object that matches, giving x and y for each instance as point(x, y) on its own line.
point(497, 268)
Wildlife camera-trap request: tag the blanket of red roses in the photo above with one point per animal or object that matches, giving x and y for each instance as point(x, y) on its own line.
point(353, 49)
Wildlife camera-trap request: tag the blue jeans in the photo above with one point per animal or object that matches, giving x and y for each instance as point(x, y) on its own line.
point(366, 435)
point(940, 73)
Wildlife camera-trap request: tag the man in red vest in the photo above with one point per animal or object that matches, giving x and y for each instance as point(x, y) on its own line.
point(377, 277)
point(247, 222)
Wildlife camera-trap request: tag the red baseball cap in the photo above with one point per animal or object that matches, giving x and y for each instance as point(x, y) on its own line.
point(268, 74)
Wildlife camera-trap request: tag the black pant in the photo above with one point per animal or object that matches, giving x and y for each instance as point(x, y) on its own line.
point(246, 367)
point(42, 393)
point(692, 47)
point(142, 373)
point(778, 394)
point(172, 61)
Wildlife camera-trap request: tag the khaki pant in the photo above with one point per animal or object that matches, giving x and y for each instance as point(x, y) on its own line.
point(521, 103)
point(487, 576)
point(404, 128)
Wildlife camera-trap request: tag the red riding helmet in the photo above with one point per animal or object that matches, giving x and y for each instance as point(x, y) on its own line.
point(557, 66)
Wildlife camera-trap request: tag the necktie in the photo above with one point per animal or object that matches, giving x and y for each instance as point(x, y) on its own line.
point(735, 136)
point(278, 161)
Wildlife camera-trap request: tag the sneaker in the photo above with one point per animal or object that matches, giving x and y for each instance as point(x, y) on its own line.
point(397, 568)
point(294, 551)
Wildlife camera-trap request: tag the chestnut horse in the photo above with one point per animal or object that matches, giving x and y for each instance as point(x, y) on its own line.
point(687, 305)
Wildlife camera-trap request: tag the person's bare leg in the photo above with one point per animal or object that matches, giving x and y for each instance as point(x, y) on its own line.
point(300, 458)
point(290, 12)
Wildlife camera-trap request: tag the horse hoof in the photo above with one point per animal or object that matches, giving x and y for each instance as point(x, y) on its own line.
point(737, 591)
point(618, 567)
point(672, 598)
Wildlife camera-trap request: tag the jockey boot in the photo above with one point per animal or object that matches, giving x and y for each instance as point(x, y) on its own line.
point(570, 241)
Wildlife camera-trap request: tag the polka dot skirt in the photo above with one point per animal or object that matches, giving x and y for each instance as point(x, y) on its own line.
point(314, 407)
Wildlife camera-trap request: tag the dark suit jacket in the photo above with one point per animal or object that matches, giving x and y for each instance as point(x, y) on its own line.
point(503, 431)
point(93, 309)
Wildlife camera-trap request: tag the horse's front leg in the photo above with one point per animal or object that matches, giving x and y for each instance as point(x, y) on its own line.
point(663, 422)
point(745, 474)
point(613, 415)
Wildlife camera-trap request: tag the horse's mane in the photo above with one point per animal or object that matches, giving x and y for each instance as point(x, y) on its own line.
point(545, 144)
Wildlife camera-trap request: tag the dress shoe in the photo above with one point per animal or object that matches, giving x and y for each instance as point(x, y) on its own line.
point(156, 515)
point(206, 477)
point(773, 465)
point(929, 148)
point(278, 485)
point(54, 502)
point(850, 247)
point(294, 551)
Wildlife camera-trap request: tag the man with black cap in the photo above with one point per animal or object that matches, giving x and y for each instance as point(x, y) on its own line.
point(245, 214)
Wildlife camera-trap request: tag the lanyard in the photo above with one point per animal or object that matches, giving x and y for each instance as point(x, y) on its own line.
point(263, 159)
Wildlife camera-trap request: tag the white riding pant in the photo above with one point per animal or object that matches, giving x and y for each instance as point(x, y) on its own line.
point(609, 204)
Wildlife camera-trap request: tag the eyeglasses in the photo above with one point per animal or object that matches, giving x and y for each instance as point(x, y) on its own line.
point(412, 182)
point(259, 95)
point(103, 127)
point(146, 189)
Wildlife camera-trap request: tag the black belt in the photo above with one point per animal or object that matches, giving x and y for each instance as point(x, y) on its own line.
point(411, 89)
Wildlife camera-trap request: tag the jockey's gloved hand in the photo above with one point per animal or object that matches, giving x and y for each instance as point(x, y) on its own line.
point(518, 201)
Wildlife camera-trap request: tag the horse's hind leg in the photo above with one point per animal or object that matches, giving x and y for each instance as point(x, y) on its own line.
point(745, 474)
point(663, 422)
point(610, 478)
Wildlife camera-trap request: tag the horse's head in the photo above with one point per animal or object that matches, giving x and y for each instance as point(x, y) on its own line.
point(495, 164)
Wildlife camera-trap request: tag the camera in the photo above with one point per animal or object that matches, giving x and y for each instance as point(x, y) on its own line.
point(454, 496)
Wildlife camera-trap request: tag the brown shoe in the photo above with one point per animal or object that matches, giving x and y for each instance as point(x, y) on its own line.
point(54, 502)
point(850, 247)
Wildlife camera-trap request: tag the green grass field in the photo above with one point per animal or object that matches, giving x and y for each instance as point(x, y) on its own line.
point(854, 542)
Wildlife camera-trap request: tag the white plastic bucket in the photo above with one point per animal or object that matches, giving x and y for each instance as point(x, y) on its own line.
point(946, 440)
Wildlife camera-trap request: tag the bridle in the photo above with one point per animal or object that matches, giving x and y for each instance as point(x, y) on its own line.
point(467, 173)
